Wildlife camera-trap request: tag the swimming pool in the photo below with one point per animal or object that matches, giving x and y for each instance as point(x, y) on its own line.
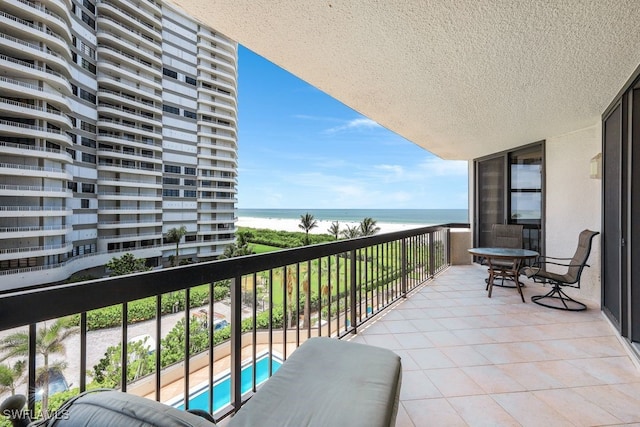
point(199, 399)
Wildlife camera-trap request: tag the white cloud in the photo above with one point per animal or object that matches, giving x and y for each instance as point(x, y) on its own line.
point(355, 124)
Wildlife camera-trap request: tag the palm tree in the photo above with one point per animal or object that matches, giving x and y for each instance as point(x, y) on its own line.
point(368, 227)
point(291, 280)
point(49, 341)
point(10, 376)
point(351, 232)
point(240, 248)
point(334, 230)
point(173, 236)
point(307, 223)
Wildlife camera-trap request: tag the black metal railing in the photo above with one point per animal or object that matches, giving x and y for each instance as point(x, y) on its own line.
point(212, 316)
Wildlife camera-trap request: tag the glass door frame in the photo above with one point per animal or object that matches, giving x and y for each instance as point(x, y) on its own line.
point(506, 157)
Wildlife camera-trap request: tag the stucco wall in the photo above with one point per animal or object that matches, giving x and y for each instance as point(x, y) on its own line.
point(573, 200)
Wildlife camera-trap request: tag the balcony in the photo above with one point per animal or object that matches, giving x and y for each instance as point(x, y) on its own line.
point(467, 359)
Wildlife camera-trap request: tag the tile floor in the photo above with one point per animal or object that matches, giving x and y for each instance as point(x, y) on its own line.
point(473, 361)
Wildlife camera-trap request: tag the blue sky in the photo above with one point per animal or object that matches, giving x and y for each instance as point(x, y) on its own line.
point(300, 148)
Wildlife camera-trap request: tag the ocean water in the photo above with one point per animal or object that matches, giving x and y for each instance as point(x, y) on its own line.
point(396, 216)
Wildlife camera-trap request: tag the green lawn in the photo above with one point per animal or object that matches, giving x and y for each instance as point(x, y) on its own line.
point(320, 276)
point(260, 249)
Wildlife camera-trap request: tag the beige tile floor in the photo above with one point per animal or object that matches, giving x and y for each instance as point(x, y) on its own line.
point(473, 361)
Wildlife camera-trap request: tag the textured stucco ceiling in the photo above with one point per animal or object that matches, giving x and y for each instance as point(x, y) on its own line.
point(461, 78)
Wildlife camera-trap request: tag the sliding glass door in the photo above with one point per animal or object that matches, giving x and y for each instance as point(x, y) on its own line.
point(509, 190)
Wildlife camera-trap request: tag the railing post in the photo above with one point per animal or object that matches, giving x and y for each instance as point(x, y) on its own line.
point(158, 356)
point(432, 255)
point(448, 243)
point(353, 292)
point(83, 351)
point(236, 343)
point(31, 376)
point(187, 344)
point(403, 269)
point(125, 351)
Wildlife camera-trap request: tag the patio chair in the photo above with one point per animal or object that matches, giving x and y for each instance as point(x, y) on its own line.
point(556, 298)
point(504, 236)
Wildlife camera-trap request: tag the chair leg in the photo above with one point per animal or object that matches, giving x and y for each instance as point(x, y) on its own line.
point(502, 278)
point(557, 294)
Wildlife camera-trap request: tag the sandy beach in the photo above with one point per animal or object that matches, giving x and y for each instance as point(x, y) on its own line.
point(323, 226)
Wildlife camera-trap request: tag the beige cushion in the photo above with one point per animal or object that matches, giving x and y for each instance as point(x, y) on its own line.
point(328, 382)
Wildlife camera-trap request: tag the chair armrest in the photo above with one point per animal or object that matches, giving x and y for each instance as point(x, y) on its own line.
point(552, 257)
point(538, 263)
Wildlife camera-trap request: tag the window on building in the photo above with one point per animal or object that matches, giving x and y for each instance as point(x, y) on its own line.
point(190, 80)
point(170, 109)
point(87, 96)
point(190, 114)
point(169, 73)
point(189, 193)
point(88, 66)
point(88, 20)
point(172, 169)
point(88, 158)
point(189, 171)
point(170, 192)
point(87, 50)
point(190, 182)
point(73, 186)
point(88, 142)
point(84, 203)
point(171, 181)
point(88, 188)
point(88, 127)
point(89, 6)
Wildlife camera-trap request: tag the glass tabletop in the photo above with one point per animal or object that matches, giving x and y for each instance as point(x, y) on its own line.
point(504, 252)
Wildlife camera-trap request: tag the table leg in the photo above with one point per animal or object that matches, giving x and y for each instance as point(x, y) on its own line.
point(516, 271)
point(490, 276)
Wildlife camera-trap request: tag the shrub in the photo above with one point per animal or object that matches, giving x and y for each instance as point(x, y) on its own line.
point(145, 309)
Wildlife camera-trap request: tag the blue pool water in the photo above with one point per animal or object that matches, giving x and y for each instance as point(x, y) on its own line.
point(222, 387)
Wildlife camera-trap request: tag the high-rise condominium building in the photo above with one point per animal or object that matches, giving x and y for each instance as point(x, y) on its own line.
point(118, 122)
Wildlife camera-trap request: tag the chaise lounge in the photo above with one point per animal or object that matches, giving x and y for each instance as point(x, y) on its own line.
point(325, 382)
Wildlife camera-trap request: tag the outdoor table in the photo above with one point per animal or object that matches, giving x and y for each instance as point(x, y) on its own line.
point(516, 256)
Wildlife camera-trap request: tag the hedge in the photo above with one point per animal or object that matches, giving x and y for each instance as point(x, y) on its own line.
point(145, 309)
